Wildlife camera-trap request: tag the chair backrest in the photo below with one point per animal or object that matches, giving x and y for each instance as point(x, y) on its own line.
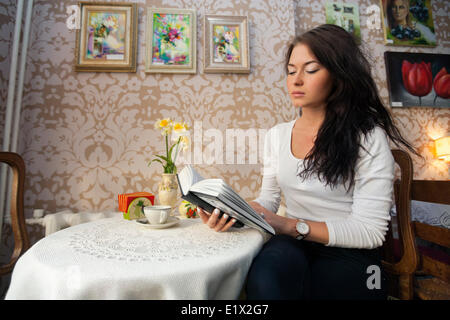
point(21, 240)
point(407, 261)
point(436, 192)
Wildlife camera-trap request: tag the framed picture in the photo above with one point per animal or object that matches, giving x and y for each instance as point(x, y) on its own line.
point(226, 45)
point(418, 79)
point(408, 23)
point(345, 15)
point(171, 41)
point(107, 38)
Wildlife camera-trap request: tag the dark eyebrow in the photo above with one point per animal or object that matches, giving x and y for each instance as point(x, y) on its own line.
point(305, 64)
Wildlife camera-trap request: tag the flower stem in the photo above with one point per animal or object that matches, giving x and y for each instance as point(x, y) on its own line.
point(176, 151)
point(167, 146)
point(167, 167)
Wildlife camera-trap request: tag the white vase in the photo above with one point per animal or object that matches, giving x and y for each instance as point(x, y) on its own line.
point(168, 190)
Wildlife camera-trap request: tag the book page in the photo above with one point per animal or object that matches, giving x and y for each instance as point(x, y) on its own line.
point(235, 212)
point(187, 177)
point(218, 187)
point(216, 192)
point(196, 177)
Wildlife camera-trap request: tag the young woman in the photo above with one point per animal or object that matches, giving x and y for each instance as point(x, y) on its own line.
point(335, 169)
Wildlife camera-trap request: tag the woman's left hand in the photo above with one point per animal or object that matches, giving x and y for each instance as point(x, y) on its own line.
point(282, 225)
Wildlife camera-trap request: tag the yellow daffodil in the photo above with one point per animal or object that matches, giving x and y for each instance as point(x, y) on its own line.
point(165, 125)
point(180, 127)
point(179, 131)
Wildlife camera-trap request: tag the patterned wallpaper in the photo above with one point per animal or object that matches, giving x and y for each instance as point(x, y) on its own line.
point(86, 137)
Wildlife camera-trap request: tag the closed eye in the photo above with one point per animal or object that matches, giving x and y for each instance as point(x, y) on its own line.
point(312, 71)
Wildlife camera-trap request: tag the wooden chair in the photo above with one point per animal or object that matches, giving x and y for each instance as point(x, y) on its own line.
point(21, 241)
point(432, 281)
point(402, 259)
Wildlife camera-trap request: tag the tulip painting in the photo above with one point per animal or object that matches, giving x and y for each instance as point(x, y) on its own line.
point(418, 79)
point(441, 85)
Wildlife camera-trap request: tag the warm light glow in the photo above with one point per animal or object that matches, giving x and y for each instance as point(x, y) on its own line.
point(436, 133)
point(443, 148)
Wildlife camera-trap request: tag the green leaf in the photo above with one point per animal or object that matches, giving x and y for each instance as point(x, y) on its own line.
point(149, 164)
point(164, 158)
point(170, 168)
point(173, 146)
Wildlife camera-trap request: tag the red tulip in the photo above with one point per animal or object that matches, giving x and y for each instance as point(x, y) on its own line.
point(441, 84)
point(417, 78)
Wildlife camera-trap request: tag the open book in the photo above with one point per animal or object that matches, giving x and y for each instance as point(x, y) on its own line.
point(209, 194)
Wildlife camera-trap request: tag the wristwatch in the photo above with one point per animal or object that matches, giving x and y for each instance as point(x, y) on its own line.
point(302, 229)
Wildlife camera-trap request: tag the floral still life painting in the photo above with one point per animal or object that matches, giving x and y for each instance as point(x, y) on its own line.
point(107, 39)
point(172, 40)
point(226, 44)
point(418, 79)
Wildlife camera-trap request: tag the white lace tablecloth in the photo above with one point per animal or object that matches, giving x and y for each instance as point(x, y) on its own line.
point(115, 258)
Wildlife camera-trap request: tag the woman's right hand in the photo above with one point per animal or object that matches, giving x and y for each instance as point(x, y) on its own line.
point(213, 221)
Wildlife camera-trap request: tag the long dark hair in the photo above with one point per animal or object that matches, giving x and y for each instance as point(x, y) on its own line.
point(353, 109)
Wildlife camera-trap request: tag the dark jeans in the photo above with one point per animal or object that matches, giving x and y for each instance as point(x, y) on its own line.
point(287, 268)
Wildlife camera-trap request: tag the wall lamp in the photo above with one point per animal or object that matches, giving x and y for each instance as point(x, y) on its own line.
point(443, 148)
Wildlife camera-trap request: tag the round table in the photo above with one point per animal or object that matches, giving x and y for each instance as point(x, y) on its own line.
point(115, 258)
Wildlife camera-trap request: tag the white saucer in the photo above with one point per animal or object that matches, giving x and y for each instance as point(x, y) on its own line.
point(171, 221)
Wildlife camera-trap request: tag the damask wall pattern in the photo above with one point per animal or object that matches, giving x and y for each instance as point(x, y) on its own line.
point(7, 14)
point(87, 137)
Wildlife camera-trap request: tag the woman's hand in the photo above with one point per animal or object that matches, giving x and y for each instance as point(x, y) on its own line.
point(281, 225)
point(213, 221)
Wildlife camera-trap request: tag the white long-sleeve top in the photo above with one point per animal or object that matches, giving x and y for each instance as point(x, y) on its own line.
point(357, 218)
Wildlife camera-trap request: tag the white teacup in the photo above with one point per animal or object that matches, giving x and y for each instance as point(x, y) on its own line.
point(157, 214)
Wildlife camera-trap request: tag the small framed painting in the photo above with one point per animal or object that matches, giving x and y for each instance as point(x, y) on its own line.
point(418, 79)
point(408, 23)
point(107, 38)
point(345, 15)
point(226, 45)
point(171, 41)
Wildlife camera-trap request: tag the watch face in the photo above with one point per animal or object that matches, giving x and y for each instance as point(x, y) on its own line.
point(302, 228)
